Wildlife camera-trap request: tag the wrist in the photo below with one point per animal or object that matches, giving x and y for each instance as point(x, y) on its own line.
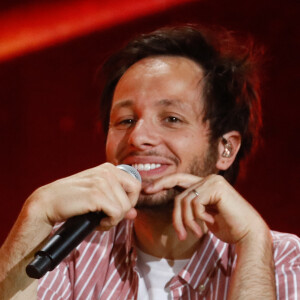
point(259, 234)
point(35, 208)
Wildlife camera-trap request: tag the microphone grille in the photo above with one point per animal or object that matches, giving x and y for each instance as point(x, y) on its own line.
point(131, 170)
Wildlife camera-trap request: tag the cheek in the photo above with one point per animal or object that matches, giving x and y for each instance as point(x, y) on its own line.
point(109, 152)
point(190, 146)
point(180, 145)
point(111, 147)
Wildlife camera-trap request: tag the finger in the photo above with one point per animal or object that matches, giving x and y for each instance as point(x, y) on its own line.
point(179, 179)
point(80, 194)
point(200, 211)
point(107, 195)
point(107, 223)
point(120, 197)
point(188, 216)
point(117, 202)
point(177, 220)
point(130, 184)
point(131, 214)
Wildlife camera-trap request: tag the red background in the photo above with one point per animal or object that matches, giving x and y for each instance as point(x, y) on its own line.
point(49, 103)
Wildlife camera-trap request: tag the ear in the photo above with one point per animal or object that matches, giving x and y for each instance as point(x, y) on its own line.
point(228, 147)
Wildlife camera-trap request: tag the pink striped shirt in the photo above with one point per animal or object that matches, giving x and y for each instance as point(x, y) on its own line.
point(104, 267)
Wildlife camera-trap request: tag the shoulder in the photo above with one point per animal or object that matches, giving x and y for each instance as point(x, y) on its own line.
point(286, 248)
point(287, 264)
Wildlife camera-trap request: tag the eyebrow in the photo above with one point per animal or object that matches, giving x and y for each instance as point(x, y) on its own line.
point(161, 103)
point(121, 104)
point(124, 103)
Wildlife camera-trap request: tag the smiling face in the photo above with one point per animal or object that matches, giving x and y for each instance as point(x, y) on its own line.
point(156, 122)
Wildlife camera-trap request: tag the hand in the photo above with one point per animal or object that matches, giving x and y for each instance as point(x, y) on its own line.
point(104, 188)
point(225, 212)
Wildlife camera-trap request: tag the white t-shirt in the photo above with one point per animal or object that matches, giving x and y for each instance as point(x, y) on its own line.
point(154, 274)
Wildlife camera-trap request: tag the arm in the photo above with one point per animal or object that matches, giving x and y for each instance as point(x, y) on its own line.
point(254, 272)
point(233, 220)
point(104, 188)
point(18, 250)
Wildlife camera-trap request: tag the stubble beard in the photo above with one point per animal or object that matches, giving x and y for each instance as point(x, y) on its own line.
point(199, 166)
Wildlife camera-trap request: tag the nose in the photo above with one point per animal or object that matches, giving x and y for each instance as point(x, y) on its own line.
point(143, 135)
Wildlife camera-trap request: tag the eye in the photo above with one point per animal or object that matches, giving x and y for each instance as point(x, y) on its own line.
point(172, 119)
point(125, 123)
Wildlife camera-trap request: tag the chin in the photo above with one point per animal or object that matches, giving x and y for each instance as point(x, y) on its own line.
point(159, 200)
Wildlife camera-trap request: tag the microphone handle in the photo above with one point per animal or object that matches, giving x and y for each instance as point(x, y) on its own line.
point(67, 237)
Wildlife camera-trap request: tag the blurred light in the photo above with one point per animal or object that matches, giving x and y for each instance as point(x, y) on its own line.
point(33, 27)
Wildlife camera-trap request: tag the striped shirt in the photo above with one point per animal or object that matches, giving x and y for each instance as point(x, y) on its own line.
point(103, 267)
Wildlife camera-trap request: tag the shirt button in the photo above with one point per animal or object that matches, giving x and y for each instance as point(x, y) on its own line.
point(201, 288)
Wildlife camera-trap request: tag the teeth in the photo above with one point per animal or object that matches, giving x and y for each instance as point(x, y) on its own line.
point(146, 167)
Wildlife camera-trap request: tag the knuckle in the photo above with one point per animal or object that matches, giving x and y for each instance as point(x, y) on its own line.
point(115, 215)
point(95, 190)
point(118, 214)
point(92, 204)
point(134, 188)
point(185, 202)
point(106, 165)
point(126, 206)
point(135, 183)
point(105, 173)
point(216, 179)
point(198, 208)
point(115, 221)
point(99, 182)
point(138, 185)
point(188, 222)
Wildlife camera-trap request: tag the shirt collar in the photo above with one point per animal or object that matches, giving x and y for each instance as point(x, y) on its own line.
point(211, 253)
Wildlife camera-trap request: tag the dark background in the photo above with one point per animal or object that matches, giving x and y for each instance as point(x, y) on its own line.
point(49, 106)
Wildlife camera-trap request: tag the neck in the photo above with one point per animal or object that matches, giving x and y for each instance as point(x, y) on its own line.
point(156, 236)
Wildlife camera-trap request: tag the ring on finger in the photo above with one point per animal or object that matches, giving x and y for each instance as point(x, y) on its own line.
point(196, 193)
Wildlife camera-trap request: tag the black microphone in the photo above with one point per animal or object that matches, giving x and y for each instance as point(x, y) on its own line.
point(67, 237)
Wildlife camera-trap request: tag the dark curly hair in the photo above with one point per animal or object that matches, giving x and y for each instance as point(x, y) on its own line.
point(231, 82)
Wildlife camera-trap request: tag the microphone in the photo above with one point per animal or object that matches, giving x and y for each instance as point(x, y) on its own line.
point(68, 236)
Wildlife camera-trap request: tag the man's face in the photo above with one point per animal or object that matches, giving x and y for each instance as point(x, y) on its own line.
point(156, 122)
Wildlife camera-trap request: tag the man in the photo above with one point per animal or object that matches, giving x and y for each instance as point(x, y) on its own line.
point(183, 109)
